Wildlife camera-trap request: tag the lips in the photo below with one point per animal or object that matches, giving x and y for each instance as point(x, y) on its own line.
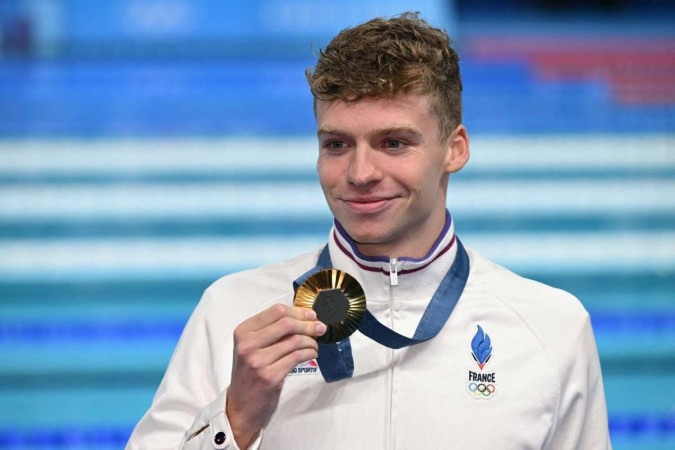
point(367, 205)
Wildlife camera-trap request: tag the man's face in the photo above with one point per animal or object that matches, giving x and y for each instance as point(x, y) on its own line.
point(384, 171)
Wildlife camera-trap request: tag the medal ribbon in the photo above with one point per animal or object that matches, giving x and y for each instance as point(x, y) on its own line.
point(335, 360)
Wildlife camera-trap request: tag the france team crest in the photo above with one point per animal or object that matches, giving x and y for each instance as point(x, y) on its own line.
point(481, 384)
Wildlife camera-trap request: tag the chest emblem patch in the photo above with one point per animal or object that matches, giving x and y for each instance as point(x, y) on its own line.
point(482, 382)
point(310, 367)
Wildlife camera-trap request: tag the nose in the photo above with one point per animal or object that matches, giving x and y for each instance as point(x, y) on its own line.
point(363, 169)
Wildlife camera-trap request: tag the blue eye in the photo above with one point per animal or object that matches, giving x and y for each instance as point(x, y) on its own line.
point(393, 144)
point(336, 145)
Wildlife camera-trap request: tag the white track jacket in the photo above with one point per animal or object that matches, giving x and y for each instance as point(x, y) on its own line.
point(540, 388)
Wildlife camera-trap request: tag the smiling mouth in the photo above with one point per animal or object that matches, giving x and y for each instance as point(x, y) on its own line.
point(367, 205)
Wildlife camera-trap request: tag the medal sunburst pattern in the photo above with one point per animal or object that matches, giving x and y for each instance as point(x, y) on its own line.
point(330, 280)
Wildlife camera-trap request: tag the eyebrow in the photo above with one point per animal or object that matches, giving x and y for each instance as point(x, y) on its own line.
point(382, 132)
point(322, 130)
point(400, 129)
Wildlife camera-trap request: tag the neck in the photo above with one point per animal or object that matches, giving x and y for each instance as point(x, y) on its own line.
point(401, 252)
point(412, 246)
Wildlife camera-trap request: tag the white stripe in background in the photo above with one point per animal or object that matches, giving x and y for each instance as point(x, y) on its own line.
point(157, 156)
point(168, 201)
point(575, 152)
point(298, 155)
point(77, 259)
point(267, 200)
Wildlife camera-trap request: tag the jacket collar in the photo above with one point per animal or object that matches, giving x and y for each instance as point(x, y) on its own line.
point(445, 246)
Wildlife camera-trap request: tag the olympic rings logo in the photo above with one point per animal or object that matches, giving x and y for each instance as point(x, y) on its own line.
point(482, 390)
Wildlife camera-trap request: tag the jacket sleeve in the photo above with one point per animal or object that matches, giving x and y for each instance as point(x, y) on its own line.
point(211, 430)
point(582, 412)
point(188, 410)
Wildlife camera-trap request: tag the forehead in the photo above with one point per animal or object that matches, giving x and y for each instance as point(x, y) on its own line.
point(410, 110)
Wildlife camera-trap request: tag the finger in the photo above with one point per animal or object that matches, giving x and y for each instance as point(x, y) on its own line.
point(274, 313)
point(278, 351)
point(287, 326)
point(290, 344)
point(283, 366)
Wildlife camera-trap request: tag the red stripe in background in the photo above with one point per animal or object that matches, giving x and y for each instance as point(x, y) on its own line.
point(638, 71)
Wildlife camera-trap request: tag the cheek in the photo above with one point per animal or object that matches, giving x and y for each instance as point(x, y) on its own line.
point(414, 179)
point(328, 175)
point(424, 185)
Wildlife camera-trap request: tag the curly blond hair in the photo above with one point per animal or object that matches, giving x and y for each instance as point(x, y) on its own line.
point(385, 57)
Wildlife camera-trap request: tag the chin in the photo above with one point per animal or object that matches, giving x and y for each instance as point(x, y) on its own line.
point(366, 238)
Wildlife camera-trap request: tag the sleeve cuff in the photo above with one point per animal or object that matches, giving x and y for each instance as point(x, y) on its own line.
point(211, 429)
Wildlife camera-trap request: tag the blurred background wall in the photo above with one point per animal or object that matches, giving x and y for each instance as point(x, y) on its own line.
point(148, 147)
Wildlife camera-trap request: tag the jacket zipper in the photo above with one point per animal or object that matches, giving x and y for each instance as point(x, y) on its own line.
point(393, 274)
point(393, 282)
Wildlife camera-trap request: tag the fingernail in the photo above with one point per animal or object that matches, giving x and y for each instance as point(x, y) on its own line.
point(320, 328)
point(310, 314)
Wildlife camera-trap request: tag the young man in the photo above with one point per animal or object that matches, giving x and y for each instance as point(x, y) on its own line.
point(455, 351)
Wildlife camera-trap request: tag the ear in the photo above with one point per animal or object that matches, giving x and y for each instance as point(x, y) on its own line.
point(458, 150)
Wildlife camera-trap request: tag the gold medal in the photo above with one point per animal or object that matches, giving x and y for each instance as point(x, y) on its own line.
point(338, 300)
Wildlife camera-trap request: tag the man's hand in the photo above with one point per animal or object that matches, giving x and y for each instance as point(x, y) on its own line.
point(267, 347)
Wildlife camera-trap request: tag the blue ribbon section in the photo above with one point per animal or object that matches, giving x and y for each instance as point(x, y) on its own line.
point(336, 361)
